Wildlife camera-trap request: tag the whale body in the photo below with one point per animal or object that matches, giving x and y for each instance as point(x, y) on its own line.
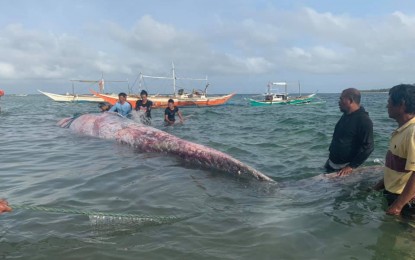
point(149, 139)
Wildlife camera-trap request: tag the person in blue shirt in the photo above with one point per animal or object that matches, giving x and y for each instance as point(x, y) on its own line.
point(170, 112)
point(122, 107)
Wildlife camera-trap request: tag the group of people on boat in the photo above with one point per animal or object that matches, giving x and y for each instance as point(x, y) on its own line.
point(144, 105)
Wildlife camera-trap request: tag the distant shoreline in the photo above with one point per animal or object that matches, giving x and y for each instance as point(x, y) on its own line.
point(382, 90)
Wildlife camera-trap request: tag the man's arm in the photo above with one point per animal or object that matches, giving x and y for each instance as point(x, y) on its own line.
point(407, 194)
point(130, 107)
point(367, 144)
point(113, 108)
point(179, 113)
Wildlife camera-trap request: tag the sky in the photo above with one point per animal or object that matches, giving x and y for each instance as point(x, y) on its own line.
point(240, 45)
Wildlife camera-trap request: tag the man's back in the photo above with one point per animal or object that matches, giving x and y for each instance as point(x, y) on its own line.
point(352, 139)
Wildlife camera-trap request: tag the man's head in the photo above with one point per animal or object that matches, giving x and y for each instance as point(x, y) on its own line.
point(122, 97)
point(170, 103)
point(104, 106)
point(143, 94)
point(401, 100)
point(349, 100)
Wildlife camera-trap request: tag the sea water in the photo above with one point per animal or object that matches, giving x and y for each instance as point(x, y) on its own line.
point(220, 216)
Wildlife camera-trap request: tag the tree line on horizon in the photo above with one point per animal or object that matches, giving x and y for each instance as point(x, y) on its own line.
point(375, 90)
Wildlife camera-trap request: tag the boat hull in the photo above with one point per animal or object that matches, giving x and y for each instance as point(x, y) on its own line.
point(162, 101)
point(72, 98)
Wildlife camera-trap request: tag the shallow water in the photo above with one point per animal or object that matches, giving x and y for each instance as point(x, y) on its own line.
point(218, 216)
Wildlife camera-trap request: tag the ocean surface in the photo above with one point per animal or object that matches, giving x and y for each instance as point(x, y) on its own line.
point(60, 182)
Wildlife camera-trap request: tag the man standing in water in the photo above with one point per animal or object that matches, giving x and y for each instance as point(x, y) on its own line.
point(398, 179)
point(170, 112)
point(352, 141)
point(144, 105)
point(122, 107)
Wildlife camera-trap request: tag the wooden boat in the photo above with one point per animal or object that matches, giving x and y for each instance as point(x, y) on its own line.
point(72, 98)
point(279, 97)
point(196, 98)
point(80, 97)
point(180, 101)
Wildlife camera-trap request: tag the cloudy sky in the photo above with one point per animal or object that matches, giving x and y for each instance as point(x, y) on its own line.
point(240, 45)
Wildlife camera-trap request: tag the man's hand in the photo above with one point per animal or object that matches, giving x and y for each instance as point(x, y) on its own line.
point(345, 171)
point(394, 209)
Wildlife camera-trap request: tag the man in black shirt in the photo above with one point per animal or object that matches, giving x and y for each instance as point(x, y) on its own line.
point(352, 141)
point(170, 112)
point(144, 105)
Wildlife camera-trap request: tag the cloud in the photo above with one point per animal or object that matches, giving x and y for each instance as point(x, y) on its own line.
point(7, 70)
point(262, 43)
point(35, 54)
point(154, 45)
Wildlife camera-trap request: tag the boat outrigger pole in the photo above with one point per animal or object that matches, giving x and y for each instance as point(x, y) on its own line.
point(174, 78)
point(101, 82)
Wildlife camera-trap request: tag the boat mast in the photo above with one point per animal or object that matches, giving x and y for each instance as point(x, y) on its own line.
point(207, 84)
point(174, 79)
point(101, 83)
point(299, 89)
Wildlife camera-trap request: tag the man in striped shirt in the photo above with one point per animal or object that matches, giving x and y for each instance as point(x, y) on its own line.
point(399, 181)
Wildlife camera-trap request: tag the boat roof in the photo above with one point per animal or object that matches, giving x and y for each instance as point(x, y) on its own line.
point(278, 83)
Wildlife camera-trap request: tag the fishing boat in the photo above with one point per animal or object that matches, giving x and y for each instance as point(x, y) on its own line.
point(73, 97)
point(160, 101)
point(181, 98)
point(275, 96)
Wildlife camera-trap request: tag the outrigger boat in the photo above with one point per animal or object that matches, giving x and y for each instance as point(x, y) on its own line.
point(72, 97)
point(180, 101)
point(281, 98)
point(196, 98)
point(79, 97)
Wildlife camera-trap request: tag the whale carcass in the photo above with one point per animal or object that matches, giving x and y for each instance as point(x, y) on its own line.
point(148, 139)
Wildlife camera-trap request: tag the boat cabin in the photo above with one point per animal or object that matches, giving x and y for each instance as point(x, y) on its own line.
point(275, 97)
point(274, 92)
